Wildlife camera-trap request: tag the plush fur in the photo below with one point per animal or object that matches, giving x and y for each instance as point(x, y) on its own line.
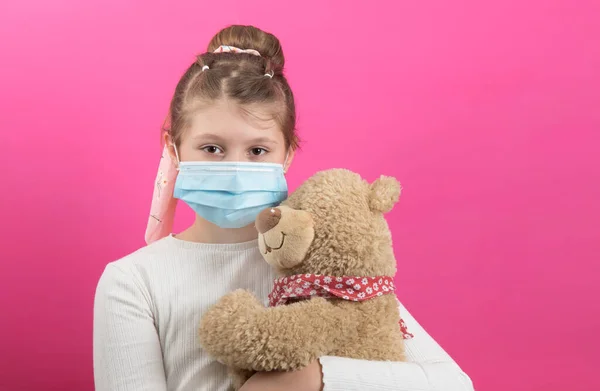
point(333, 224)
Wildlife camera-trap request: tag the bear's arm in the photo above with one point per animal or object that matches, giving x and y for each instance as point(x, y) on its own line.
point(240, 332)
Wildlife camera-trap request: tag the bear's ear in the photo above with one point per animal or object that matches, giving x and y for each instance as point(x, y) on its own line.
point(385, 192)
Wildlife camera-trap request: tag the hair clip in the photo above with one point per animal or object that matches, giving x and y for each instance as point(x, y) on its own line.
point(205, 67)
point(270, 75)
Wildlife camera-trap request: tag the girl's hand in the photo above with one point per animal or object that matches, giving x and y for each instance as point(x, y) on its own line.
point(310, 378)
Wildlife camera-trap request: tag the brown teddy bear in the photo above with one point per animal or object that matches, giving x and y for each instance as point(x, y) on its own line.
point(332, 247)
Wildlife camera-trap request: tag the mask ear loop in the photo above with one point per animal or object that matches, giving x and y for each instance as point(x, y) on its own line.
point(287, 155)
point(177, 155)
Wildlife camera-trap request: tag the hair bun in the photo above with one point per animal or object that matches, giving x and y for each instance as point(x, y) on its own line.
point(250, 37)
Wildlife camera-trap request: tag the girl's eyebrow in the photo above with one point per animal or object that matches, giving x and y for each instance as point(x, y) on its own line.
point(261, 140)
point(217, 138)
point(209, 136)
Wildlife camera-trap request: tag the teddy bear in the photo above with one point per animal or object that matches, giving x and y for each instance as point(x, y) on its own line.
point(331, 249)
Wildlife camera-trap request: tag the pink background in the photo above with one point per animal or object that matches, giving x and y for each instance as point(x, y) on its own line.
point(487, 111)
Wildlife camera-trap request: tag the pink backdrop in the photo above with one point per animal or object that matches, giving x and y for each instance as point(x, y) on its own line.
point(487, 111)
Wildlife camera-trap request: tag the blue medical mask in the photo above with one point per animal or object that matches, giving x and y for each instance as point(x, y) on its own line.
point(230, 194)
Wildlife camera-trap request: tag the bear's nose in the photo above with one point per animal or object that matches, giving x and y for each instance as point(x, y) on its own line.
point(268, 219)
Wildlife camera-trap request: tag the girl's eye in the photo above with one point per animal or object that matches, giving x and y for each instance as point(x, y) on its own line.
point(258, 151)
point(212, 149)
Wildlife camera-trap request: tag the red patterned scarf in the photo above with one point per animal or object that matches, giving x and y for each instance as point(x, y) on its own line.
point(304, 286)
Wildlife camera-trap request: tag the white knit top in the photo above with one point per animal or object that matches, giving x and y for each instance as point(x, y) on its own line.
point(148, 307)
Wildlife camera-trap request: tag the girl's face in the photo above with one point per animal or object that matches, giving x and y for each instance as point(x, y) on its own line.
point(224, 132)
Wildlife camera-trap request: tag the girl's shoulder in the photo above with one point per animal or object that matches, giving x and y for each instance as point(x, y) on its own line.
point(136, 268)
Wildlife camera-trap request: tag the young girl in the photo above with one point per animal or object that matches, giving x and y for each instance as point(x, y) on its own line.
point(231, 138)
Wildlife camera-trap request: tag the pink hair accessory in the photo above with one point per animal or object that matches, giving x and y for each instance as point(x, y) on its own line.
point(162, 209)
point(233, 49)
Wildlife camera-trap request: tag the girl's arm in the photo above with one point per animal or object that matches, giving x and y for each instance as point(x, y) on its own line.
point(428, 368)
point(127, 352)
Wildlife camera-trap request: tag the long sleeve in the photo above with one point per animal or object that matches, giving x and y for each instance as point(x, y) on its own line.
point(127, 352)
point(428, 368)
